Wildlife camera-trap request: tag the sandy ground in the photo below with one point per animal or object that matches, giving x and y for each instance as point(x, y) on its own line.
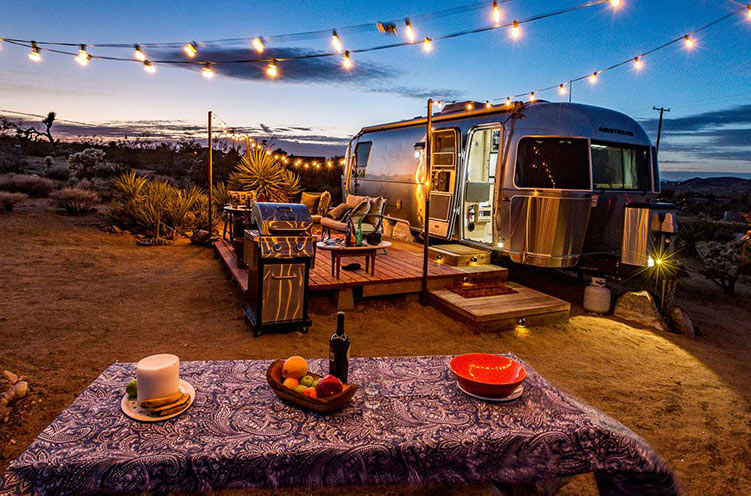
point(75, 299)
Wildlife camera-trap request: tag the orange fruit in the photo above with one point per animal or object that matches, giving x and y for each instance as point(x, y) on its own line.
point(295, 367)
point(311, 392)
point(290, 382)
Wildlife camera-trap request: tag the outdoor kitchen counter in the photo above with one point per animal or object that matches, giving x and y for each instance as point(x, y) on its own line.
point(407, 424)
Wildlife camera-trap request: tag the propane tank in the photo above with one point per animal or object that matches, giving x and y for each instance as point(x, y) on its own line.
point(597, 296)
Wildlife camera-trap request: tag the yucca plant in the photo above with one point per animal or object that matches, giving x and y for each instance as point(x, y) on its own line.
point(149, 209)
point(220, 194)
point(179, 203)
point(267, 176)
point(129, 185)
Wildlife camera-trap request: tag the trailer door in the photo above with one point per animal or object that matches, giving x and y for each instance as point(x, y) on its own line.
point(478, 188)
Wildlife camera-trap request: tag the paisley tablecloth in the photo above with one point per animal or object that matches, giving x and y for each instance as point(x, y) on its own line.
point(407, 424)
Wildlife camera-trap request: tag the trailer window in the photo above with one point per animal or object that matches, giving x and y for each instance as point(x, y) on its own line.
point(362, 153)
point(624, 167)
point(552, 163)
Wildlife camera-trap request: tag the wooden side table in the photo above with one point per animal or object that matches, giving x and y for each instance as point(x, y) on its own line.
point(339, 250)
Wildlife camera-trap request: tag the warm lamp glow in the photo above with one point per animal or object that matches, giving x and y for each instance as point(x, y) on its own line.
point(638, 64)
point(470, 106)
point(532, 97)
point(488, 104)
point(427, 45)
point(83, 56)
point(34, 55)
point(258, 44)
point(689, 42)
point(149, 67)
point(190, 49)
point(615, 3)
point(562, 89)
point(408, 30)
point(347, 61)
point(271, 69)
point(207, 71)
point(508, 101)
point(496, 12)
point(335, 41)
point(138, 53)
point(516, 31)
point(593, 78)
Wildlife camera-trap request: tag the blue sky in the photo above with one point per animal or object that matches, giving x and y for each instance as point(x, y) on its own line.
point(314, 107)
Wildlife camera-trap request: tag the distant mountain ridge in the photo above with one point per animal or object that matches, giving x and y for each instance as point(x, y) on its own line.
point(717, 185)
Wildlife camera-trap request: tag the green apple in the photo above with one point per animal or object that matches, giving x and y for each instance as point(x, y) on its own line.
point(307, 381)
point(300, 388)
point(315, 383)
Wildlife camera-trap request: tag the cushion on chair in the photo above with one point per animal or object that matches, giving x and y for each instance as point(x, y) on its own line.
point(339, 211)
point(354, 200)
point(376, 209)
point(360, 211)
point(323, 203)
point(310, 200)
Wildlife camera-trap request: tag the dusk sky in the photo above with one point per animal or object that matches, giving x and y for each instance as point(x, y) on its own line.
point(314, 105)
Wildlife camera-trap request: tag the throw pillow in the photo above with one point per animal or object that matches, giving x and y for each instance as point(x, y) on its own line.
point(376, 206)
point(358, 212)
point(354, 200)
point(310, 200)
point(324, 202)
point(339, 211)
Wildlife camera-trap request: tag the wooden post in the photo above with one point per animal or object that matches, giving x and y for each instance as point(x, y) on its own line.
point(247, 146)
point(211, 179)
point(428, 182)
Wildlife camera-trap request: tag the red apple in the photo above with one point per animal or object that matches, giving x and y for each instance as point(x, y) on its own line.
point(329, 386)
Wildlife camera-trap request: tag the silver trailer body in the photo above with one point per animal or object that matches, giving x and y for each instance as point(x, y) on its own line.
point(543, 183)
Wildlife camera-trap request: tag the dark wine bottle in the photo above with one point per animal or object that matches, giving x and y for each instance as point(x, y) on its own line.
point(348, 233)
point(339, 350)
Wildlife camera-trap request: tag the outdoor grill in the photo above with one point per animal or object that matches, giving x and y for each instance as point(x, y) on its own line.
point(278, 251)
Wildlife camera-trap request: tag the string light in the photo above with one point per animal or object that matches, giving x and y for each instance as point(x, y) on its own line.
point(562, 89)
point(190, 49)
point(638, 64)
point(427, 45)
point(615, 3)
point(749, 11)
point(34, 55)
point(138, 53)
point(83, 56)
point(516, 31)
point(532, 97)
point(496, 12)
point(593, 78)
point(271, 69)
point(689, 42)
point(347, 61)
point(149, 67)
point(470, 106)
point(335, 42)
point(258, 44)
point(488, 104)
point(508, 101)
point(408, 30)
point(207, 71)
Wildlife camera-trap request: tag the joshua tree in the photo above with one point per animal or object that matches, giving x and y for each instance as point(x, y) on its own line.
point(32, 133)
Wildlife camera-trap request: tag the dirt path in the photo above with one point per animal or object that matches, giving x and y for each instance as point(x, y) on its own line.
point(75, 299)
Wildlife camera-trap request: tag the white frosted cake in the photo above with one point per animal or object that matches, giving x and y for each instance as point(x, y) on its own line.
point(158, 376)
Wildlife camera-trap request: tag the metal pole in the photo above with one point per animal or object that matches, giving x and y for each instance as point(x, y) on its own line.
point(211, 180)
point(428, 181)
point(247, 146)
point(570, 88)
point(659, 125)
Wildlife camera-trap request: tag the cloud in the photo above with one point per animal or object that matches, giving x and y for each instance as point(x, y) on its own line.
point(738, 115)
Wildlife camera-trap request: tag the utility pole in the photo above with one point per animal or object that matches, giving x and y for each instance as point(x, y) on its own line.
point(659, 125)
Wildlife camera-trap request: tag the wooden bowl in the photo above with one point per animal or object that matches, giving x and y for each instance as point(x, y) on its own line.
point(484, 374)
point(320, 405)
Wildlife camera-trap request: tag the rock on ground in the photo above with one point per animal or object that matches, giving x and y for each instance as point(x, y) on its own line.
point(639, 307)
point(682, 323)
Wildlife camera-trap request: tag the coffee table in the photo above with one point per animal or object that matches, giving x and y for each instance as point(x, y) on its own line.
point(339, 250)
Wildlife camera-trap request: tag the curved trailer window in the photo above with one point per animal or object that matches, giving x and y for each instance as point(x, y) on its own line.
point(553, 163)
point(621, 167)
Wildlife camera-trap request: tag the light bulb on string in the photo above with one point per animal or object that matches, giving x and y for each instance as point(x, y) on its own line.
point(408, 30)
point(258, 44)
point(593, 78)
point(149, 67)
point(427, 44)
point(329, 164)
point(34, 54)
point(496, 12)
point(532, 97)
point(749, 11)
point(207, 71)
point(271, 70)
point(347, 61)
point(488, 104)
point(190, 49)
point(508, 101)
point(335, 41)
point(638, 64)
point(516, 31)
point(562, 89)
point(470, 106)
point(138, 53)
point(83, 56)
point(689, 42)
point(615, 3)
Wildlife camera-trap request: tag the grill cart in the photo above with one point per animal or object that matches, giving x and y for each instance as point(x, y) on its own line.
point(278, 251)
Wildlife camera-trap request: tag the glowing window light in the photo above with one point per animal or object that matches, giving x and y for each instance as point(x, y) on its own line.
point(207, 71)
point(83, 56)
point(638, 64)
point(335, 41)
point(347, 61)
point(138, 53)
point(258, 44)
point(593, 78)
point(516, 31)
point(34, 54)
point(496, 12)
point(271, 70)
point(689, 42)
point(408, 30)
point(190, 49)
point(562, 89)
point(532, 97)
point(427, 44)
point(149, 67)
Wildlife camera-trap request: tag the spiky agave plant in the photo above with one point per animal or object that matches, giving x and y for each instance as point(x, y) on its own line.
point(128, 185)
point(178, 204)
point(267, 176)
point(150, 210)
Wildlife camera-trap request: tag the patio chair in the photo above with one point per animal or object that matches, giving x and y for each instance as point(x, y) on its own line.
point(372, 215)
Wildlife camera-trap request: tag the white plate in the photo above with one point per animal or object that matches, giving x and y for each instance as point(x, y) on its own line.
point(131, 409)
point(517, 392)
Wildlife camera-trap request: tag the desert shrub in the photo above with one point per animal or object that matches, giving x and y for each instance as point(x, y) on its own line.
point(267, 176)
point(58, 171)
point(9, 200)
point(102, 187)
point(87, 163)
point(32, 185)
point(179, 203)
point(75, 200)
point(220, 194)
point(722, 263)
point(198, 217)
point(48, 162)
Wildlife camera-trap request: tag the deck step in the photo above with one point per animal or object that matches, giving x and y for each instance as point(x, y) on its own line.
point(458, 255)
point(490, 313)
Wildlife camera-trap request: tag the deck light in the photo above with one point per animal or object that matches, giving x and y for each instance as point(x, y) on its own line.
point(532, 97)
point(207, 71)
point(149, 67)
point(335, 42)
point(427, 45)
point(488, 104)
point(190, 49)
point(562, 89)
point(347, 61)
point(496, 12)
point(638, 64)
point(138, 53)
point(34, 55)
point(593, 77)
point(83, 56)
point(408, 30)
point(516, 31)
point(689, 42)
point(271, 69)
point(258, 44)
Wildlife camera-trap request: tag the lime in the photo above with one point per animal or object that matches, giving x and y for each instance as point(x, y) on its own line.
point(132, 388)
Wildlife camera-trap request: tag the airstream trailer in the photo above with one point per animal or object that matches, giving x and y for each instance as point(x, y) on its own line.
point(546, 184)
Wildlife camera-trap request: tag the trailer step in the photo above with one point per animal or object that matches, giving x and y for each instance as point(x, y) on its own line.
point(458, 255)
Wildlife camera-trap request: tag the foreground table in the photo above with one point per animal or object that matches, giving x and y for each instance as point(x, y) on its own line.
point(339, 250)
point(408, 424)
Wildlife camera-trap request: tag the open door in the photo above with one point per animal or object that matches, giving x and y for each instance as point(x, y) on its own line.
point(443, 165)
point(478, 202)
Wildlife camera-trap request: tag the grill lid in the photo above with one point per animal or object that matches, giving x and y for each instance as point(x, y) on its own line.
point(290, 219)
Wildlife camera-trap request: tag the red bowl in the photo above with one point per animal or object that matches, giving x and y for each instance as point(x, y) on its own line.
point(484, 374)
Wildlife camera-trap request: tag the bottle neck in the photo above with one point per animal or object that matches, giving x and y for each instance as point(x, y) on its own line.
point(340, 324)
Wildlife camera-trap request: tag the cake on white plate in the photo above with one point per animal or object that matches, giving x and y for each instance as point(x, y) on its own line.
point(158, 376)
